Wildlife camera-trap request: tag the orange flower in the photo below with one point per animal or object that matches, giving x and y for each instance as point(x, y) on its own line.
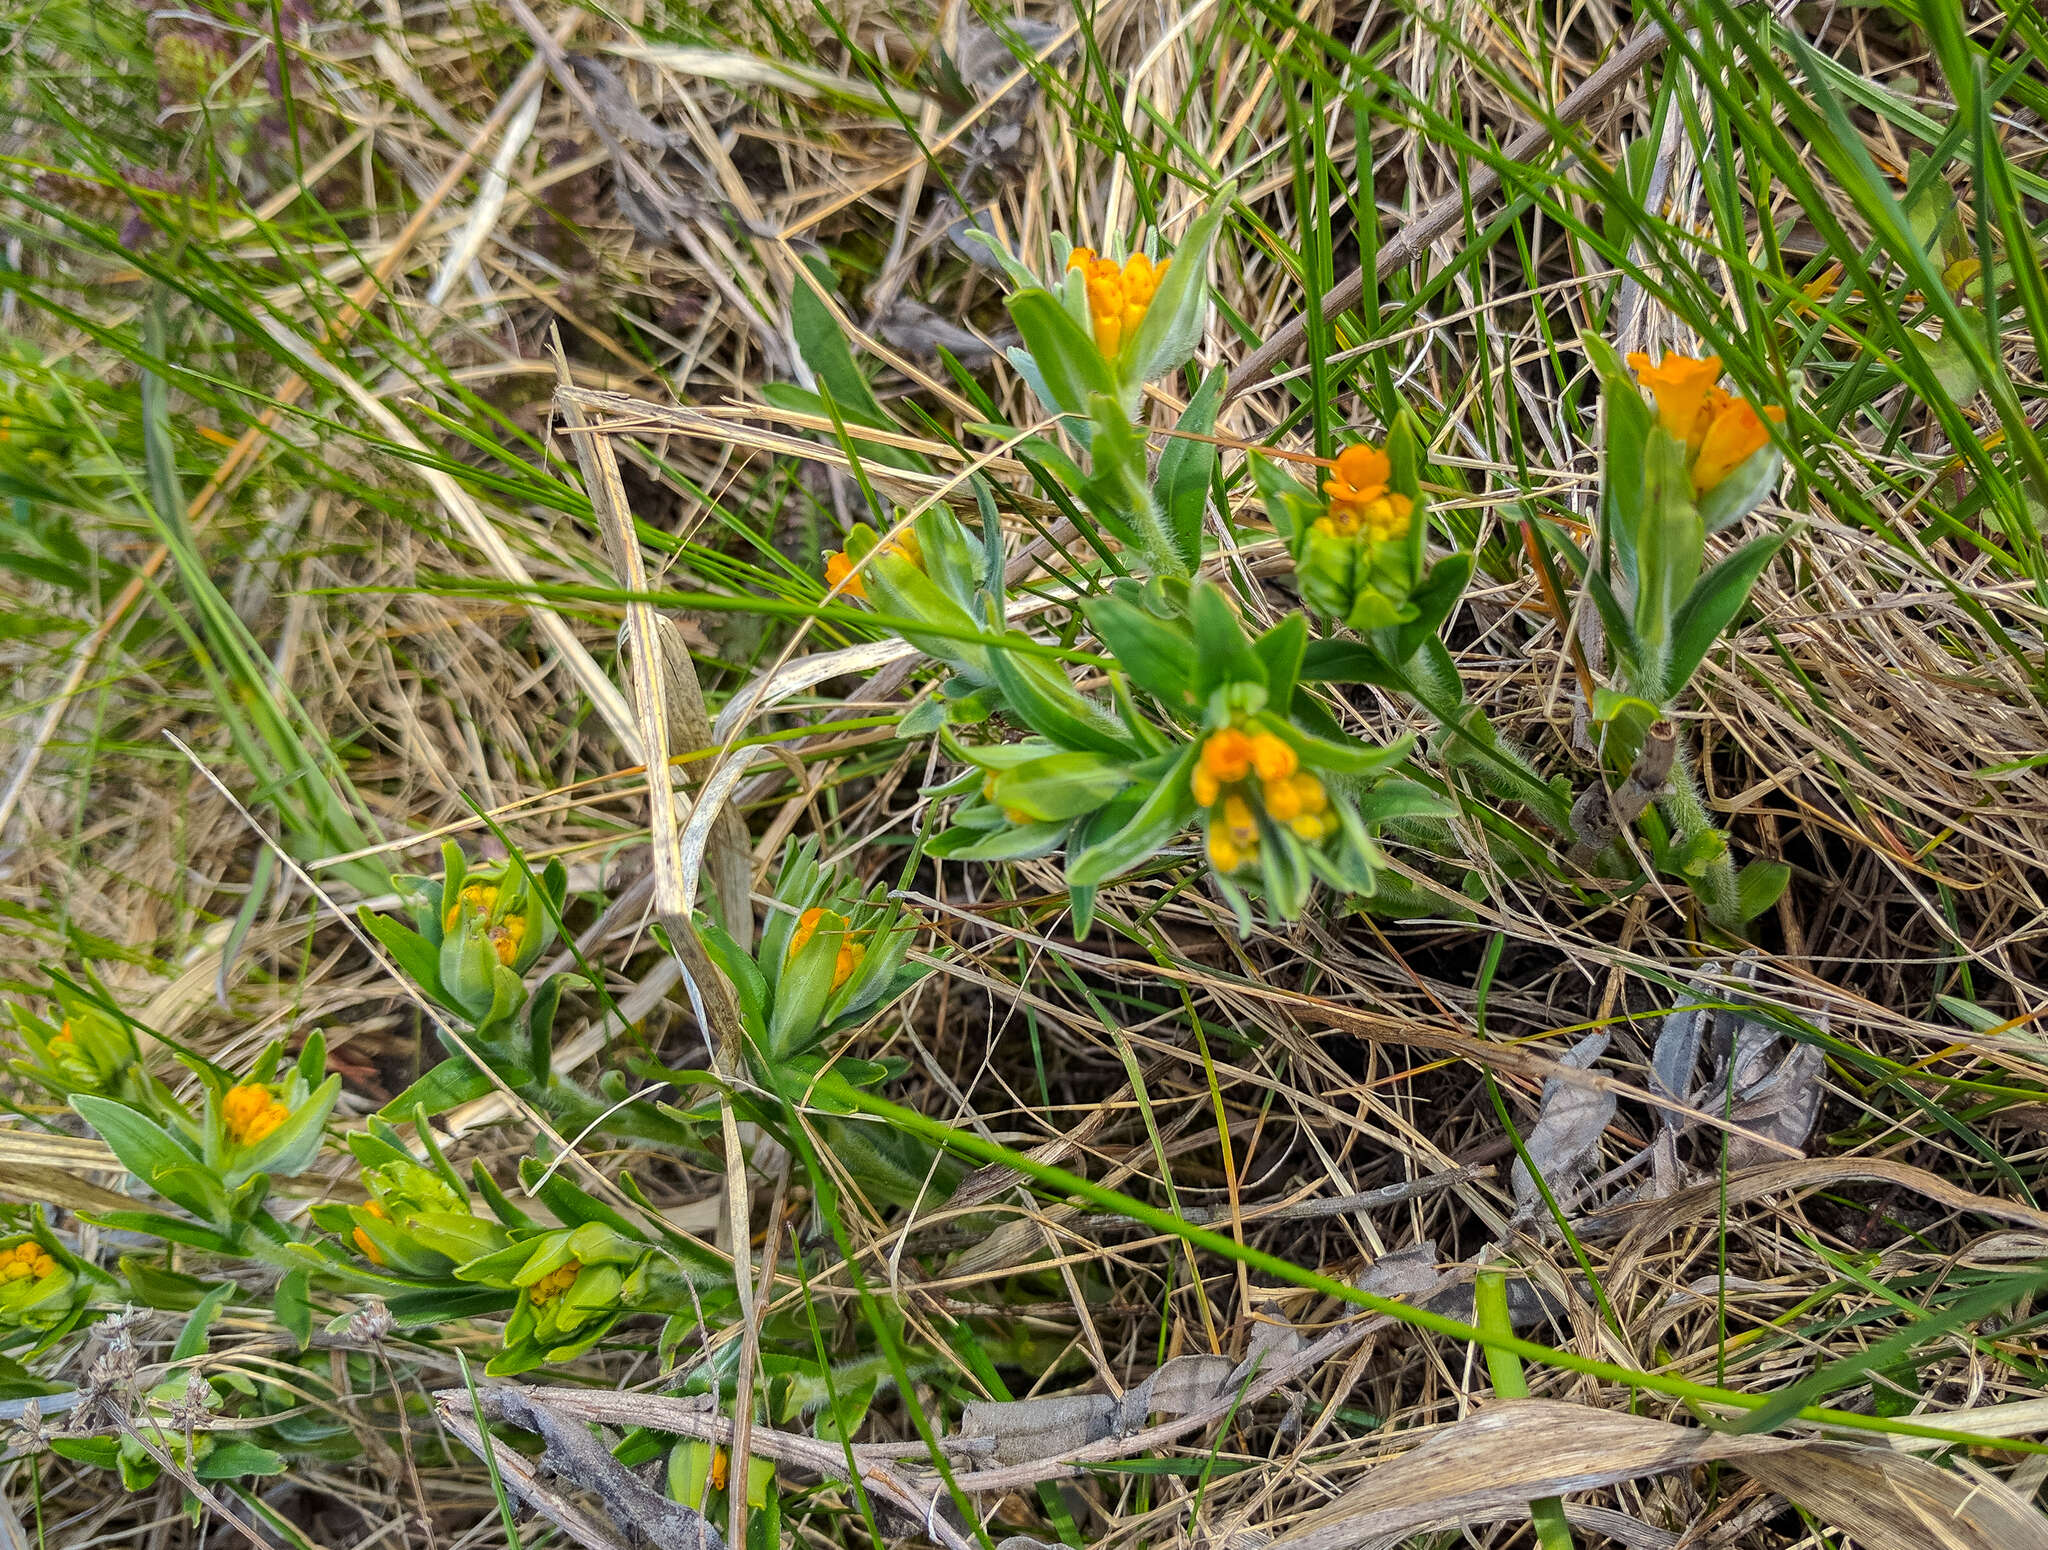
point(1737, 432)
point(850, 951)
point(1117, 296)
point(1227, 755)
point(1681, 386)
point(1360, 502)
point(1272, 758)
point(251, 1112)
point(362, 1239)
point(1720, 430)
point(26, 1261)
point(1360, 475)
point(839, 573)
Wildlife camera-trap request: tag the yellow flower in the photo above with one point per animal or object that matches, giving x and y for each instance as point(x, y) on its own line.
point(555, 1282)
point(26, 1261)
point(480, 899)
point(1117, 297)
point(1720, 431)
point(251, 1112)
point(1224, 854)
point(1360, 503)
point(1239, 823)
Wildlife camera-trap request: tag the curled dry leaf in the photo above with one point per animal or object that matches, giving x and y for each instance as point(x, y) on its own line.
point(1568, 1129)
point(1026, 1429)
point(1775, 1097)
point(1405, 1273)
point(987, 57)
point(1490, 1466)
point(575, 1456)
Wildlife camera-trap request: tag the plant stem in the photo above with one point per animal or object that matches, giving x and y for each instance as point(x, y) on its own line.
point(1684, 810)
point(1490, 1312)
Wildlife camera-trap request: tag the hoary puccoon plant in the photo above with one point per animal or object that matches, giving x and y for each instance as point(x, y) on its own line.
point(560, 1265)
point(1191, 734)
point(1179, 726)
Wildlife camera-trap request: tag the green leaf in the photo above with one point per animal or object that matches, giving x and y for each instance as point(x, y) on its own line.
point(1758, 886)
point(1012, 842)
point(145, 1148)
point(1349, 757)
point(1629, 422)
point(1350, 662)
point(739, 968)
point(169, 1228)
point(1187, 466)
point(1621, 635)
point(1280, 649)
point(1061, 786)
point(1068, 360)
point(103, 1452)
point(825, 351)
point(1044, 699)
point(1163, 814)
point(1173, 322)
point(293, 1308)
point(1669, 542)
point(453, 1082)
point(231, 1458)
point(419, 958)
point(192, 1338)
point(1222, 654)
point(1156, 654)
point(1711, 606)
point(1433, 601)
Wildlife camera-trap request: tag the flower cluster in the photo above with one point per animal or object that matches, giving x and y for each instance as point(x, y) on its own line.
point(1240, 773)
point(1361, 505)
point(574, 1284)
point(1721, 432)
point(44, 1289)
point(1358, 541)
point(475, 933)
point(84, 1051)
point(1117, 295)
point(252, 1112)
point(38, 1290)
point(506, 932)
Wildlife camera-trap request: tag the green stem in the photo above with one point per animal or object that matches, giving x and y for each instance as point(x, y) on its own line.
point(1686, 813)
point(971, 1145)
point(1490, 1308)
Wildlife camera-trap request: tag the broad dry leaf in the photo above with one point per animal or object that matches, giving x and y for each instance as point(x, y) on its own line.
point(1487, 1467)
point(1568, 1129)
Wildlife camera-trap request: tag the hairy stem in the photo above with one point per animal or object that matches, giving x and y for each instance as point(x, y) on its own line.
point(1686, 812)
